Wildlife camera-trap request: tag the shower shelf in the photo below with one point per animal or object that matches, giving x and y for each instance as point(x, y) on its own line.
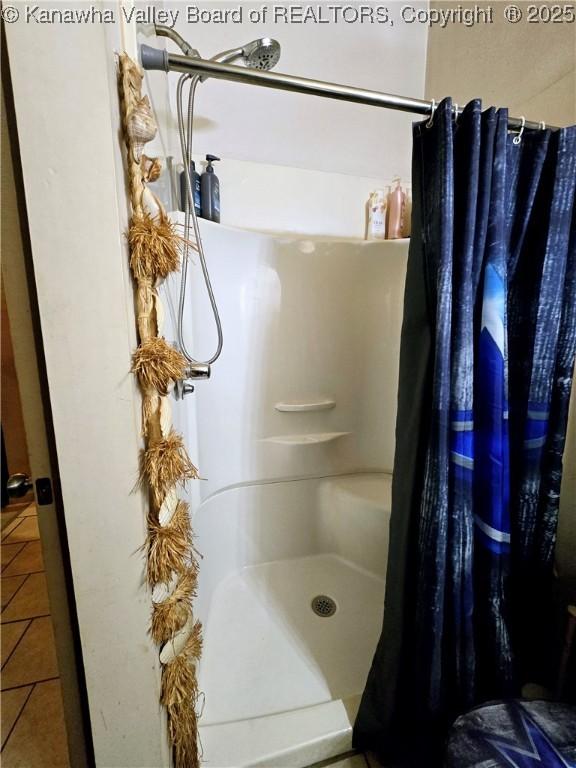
point(311, 438)
point(304, 407)
point(380, 245)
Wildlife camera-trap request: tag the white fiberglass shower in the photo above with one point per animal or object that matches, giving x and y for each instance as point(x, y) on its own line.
point(294, 438)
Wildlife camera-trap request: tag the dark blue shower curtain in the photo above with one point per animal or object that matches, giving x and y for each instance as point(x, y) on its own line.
point(487, 356)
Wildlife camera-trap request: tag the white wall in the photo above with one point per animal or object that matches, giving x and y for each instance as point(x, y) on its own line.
point(243, 122)
point(294, 163)
point(275, 198)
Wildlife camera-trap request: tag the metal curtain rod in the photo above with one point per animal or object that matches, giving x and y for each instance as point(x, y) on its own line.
point(154, 58)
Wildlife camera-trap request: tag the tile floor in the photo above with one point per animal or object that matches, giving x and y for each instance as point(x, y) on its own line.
point(32, 727)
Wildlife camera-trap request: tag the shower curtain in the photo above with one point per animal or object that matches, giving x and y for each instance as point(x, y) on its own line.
point(487, 356)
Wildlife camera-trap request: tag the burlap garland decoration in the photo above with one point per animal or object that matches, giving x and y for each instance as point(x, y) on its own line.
point(172, 566)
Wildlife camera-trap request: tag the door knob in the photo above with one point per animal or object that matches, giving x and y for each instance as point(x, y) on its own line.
point(18, 485)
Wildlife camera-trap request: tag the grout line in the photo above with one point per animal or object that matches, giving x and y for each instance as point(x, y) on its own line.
point(6, 534)
point(14, 506)
point(14, 555)
point(15, 593)
point(28, 573)
point(25, 543)
point(19, 641)
point(19, 713)
point(26, 618)
point(20, 541)
point(32, 682)
point(11, 531)
point(20, 551)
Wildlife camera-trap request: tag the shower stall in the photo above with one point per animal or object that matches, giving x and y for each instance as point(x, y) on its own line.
point(294, 437)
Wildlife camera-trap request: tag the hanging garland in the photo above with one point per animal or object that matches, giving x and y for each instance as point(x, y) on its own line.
point(171, 564)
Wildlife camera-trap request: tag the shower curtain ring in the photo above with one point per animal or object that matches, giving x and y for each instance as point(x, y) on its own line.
point(542, 125)
point(456, 112)
point(431, 118)
point(518, 139)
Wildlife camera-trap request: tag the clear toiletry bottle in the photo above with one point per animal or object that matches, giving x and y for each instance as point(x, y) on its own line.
point(396, 211)
point(210, 191)
point(195, 184)
point(376, 228)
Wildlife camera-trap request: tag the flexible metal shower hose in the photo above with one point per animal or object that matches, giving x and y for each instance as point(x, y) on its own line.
point(190, 213)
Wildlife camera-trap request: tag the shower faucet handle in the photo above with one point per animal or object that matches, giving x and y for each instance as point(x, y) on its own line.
point(185, 387)
point(199, 371)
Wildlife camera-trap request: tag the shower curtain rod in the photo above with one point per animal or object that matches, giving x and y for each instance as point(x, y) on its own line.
point(154, 58)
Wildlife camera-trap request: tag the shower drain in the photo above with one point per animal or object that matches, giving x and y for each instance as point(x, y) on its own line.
point(324, 606)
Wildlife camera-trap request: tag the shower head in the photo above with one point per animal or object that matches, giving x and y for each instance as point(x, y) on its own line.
point(263, 53)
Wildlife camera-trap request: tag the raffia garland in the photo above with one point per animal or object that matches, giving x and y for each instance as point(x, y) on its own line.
point(171, 562)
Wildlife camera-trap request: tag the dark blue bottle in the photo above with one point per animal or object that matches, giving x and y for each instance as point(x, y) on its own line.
point(195, 183)
point(210, 191)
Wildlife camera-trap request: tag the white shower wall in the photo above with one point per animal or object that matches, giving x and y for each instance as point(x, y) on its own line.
point(307, 321)
point(294, 438)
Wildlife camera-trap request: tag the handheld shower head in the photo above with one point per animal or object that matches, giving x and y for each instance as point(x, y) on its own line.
point(263, 53)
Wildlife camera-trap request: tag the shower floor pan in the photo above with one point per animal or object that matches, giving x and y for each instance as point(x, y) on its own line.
point(283, 683)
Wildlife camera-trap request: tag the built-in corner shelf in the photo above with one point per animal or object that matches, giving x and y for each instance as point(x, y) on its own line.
point(300, 406)
point(385, 245)
point(310, 438)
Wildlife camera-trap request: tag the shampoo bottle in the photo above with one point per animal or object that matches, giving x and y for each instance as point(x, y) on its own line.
point(376, 229)
point(195, 184)
point(407, 228)
point(396, 205)
point(210, 191)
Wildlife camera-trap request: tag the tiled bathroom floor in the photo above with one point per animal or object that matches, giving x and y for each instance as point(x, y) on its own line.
point(33, 730)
